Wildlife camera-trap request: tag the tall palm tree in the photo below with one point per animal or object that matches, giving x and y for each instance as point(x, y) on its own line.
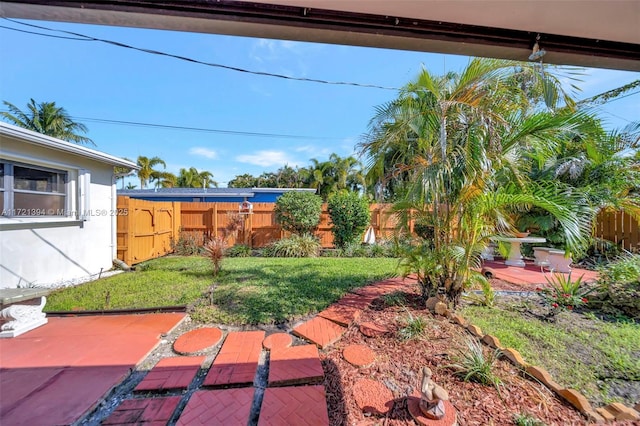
point(147, 171)
point(48, 119)
point(458, 140)
point(192, 178)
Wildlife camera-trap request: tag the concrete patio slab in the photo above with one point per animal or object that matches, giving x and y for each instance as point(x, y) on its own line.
point(294, 405)
point(144, 411)
point(295, 365)
point(60, 371)
point(320, 331)
point(531, 274)
point(218, 407)
point(237, 362)
point(171, 373)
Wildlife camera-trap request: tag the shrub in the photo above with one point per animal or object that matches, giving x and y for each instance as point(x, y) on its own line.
point(350, 217)
point(294, 246)
point(620, 281)
point(354, 249)
point(187, 244)
point(564, 293)
point(298, 212)
point(472, 365)
point(215, 250)
point(239, 250)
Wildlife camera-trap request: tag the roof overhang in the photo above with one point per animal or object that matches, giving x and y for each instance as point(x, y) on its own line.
point(591, 33)
point(24, 135)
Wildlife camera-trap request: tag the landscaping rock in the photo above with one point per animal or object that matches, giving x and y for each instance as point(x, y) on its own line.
point(576, 399)
point(441, 308)
point(475, 330)
point(515, 357)
point(492, 341)
point(545, 378)
point(371, 329)
point(622, 412)
point(606, 415)
point(449, 419)
point(372, 397)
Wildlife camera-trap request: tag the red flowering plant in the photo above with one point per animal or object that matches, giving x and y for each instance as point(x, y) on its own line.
point(561, 292)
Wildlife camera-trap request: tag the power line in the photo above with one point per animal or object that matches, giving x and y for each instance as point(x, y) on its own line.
point(199, 129)
point(185, 58)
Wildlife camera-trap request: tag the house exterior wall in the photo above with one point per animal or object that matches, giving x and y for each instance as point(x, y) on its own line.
point(44, 251)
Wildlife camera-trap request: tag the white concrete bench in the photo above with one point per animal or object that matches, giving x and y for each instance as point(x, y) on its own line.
point(558, 262)
point(541, 255)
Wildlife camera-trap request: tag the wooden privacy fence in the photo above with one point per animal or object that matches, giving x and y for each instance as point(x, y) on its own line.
point(619, 228)
point(149, 227)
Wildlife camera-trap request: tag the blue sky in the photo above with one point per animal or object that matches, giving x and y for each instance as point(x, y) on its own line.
point(94, 80)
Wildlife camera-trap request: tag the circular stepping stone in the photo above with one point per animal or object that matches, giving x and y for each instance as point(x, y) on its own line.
point(197, 340)
point(449, 419)
point(371, 329)
point(372, 397)
point(277, 340)
point(359, 355)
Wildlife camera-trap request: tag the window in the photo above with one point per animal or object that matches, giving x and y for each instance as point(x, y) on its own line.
point(29, 190)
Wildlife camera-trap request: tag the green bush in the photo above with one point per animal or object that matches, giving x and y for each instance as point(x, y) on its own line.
point(298, 212)
point(350, 217)
point(294, 246)
point(187, 244)
point(239, 250)
point(620, 281)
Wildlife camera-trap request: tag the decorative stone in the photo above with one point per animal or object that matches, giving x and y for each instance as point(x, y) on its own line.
point(458, 319)
point(622, 412)
point(277, 340)
point(544, 377)
point(432, 396)
point(475, 330)
point(492, 341)
point(576, 399)
point(637, 407)
point(371, 329)
point(515, 357)
point(431, 303)
point(372, 397)
point(606, 415)
point(449, 419)
point(19, 319)
point(197, 340)
point(441, 308)
point(359, 355)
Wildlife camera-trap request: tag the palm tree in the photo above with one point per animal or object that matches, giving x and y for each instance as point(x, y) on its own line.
point(458, 142)
point(147, 171)
point(192, 178)
point(165, 180)
point(48, 119)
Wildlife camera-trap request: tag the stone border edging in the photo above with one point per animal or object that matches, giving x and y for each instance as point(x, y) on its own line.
point(611, 412)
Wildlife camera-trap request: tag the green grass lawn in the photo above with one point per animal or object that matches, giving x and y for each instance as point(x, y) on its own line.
point(580, 351)
point(247, 291)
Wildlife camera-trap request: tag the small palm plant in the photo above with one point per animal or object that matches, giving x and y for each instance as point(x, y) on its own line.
point(472, 364)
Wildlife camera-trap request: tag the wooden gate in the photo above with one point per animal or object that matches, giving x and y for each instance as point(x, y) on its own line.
point(146, 230)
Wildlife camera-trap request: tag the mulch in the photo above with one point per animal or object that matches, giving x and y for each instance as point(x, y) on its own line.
point(398, 365)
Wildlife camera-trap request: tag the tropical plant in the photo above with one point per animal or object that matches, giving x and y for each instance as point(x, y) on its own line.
point(48, 119)
point(239, 250)
point(147, 171)
point(620, 283)
point(413, 327)
point(487, 297)
point(562, 292)
point(192, 178)
point(243, 181)
point(214, 249)
point(130, 186)
point(187, 244)
point(294, 246)
point(298, 212)
point(458, 143)
point(471, 364)
point(350, 216)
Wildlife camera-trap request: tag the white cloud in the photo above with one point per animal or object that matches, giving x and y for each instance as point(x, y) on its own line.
point(203, 152)
point(267, 159)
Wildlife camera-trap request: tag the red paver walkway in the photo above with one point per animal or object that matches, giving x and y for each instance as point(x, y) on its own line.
point(218, 407)
point(277, 340)
point(341, 314)
point(320, 331)
point(531, 274)
point(175, 372)
point(147, 411)
point(384, 287)
point(237, 362)
point(295, 365)
point(197, 340)
point(299, 405)
point(58, 372)
point(359, 355)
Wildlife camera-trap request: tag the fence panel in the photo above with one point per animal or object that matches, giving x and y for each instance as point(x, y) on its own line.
point(619, 228)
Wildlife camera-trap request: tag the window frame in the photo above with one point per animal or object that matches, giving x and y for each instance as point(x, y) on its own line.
point(8, 191)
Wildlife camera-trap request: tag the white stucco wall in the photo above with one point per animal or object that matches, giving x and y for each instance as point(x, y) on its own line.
point(45, 251)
